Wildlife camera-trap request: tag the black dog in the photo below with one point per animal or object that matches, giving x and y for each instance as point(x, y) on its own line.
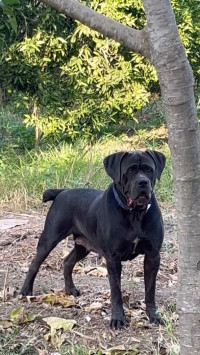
point(119, 224)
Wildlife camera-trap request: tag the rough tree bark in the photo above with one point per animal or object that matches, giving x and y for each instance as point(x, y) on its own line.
point(160, 43)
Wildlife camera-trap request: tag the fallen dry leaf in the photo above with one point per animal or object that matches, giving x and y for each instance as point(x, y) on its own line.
point(98, 271)
point(31, 299)
point(8, 293)
point(24, 269)
point(56, 323)
point(106, 294)
point(135, 313)
point(42, 352)
point(59, 298)
point(173, 267)
point(11, 291)
point(55, 339)
point(135, 340)
point(5, 323)
point(95, 306)
point(120, 350)
point(106, 336)
point(174, 277)
point(88, 318)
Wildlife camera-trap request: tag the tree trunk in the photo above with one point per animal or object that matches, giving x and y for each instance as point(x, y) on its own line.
point(160, 43)
point(176, 82)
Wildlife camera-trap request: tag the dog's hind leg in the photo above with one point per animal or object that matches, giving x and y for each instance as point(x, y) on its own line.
point(78, 253)
point(48, 241)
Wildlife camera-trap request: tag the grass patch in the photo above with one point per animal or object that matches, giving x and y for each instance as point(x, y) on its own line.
point(11, 343)
point(170, 318)
point(23, 178)
point(25, 173)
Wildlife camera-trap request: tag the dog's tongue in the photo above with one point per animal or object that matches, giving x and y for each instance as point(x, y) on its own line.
point(130, 201)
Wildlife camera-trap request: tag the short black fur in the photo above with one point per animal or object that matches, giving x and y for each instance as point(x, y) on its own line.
point(118, 223)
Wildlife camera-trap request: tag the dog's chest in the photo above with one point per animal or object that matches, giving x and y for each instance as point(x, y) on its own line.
point(132, 241)
point(126, 249)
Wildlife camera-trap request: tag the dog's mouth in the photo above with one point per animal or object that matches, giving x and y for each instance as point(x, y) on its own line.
point(140, 201)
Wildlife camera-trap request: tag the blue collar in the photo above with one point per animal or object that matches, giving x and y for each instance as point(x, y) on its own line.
point(119, 201)
point(122, 205)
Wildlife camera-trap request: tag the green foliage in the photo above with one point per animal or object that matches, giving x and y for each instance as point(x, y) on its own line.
point(30, 67)
point(72, 82)
point(14, 135)
point(10, 20)
point(187, 14)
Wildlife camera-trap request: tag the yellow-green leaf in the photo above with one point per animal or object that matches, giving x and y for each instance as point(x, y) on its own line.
point(59, 298)
point(18, 316)
point(56, 323)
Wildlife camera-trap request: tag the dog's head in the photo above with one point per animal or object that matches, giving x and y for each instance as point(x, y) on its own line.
point(134, 175)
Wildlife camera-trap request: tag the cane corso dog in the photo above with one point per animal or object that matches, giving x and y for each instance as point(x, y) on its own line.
point(118, 223)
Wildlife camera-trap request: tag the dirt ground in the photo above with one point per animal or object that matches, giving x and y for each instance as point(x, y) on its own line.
point(19, 235)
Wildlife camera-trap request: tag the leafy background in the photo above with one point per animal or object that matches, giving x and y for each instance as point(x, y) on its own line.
point(69, 81)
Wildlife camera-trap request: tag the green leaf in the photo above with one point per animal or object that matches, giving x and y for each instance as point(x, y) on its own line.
point(8, 11)
point(62, 40)
point(11, 2)
point(13, 23)
point(18, 316)
point(15, 313)
point(40, 42)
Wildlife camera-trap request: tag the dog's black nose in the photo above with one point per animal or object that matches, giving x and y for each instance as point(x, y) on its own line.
point(143, 183)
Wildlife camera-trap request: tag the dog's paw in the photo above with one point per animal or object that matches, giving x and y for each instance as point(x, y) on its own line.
point(155, 318)
point(26, 292)
point(117, 323)
point(73, 291)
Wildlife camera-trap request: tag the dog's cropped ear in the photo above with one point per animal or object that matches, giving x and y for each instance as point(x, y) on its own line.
point(159, 161)
point(112, 165)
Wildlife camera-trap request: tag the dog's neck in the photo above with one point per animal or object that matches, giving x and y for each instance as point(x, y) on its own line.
point(122, 204)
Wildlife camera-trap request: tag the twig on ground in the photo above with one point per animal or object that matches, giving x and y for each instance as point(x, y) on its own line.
point(4, 296)
point(82, 335)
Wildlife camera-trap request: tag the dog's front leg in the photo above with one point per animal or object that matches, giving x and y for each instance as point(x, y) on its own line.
point(114, 275)
point(151, 267)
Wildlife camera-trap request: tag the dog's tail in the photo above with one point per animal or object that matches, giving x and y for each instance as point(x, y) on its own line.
point(50, 195)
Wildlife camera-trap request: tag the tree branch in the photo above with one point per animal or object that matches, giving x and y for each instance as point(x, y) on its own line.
point(135, 40)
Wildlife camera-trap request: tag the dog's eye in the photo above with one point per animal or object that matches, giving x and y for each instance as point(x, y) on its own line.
point(148, 170)
point(132, 170)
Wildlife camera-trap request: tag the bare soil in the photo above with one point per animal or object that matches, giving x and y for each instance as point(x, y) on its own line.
point(17, 248)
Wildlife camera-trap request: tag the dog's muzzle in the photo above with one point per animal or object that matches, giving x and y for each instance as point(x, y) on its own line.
point(140, 194)
point(141, 201)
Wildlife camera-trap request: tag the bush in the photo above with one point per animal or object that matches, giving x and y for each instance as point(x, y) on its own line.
point(70, 79)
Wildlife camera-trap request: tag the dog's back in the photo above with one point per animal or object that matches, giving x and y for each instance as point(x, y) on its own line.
point(74, 196)
point(76, 207)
